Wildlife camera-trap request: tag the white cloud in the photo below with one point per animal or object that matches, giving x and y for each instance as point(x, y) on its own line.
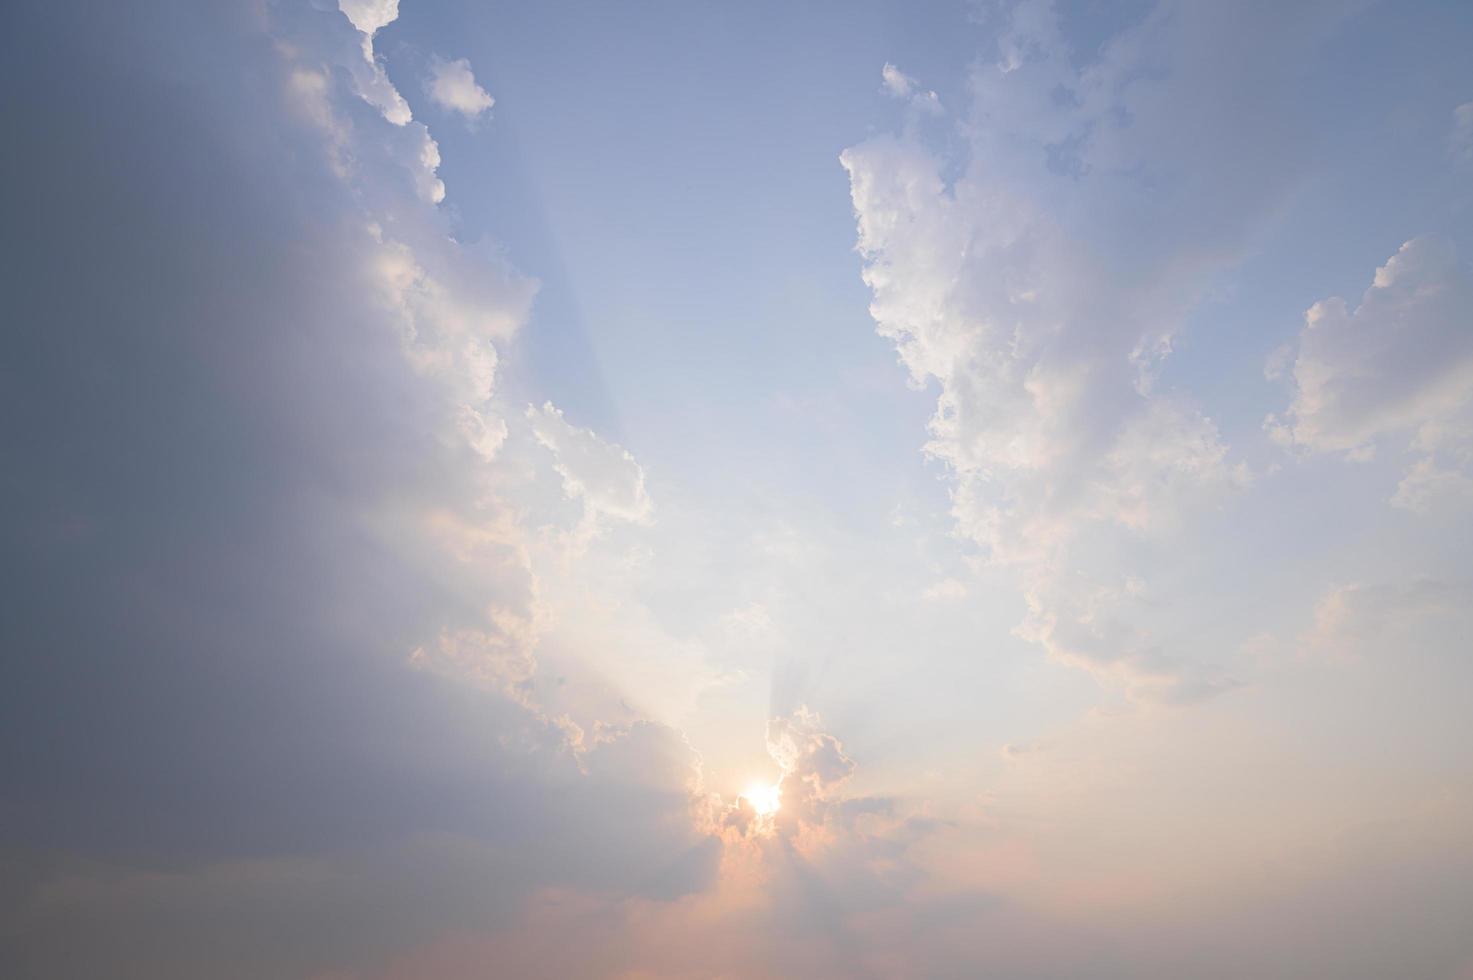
point(422, 154)
point(807, 753)
point(902, 86)
point(376, 89)
point(370, 16)
point(897, 82)
point(453, 86)
point(427, 179)
point(1040, 290)
point(452, 309)
point(1163, 456)
point(1397, 366)
point(603, 476)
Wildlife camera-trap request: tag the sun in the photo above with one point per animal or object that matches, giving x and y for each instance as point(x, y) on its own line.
point(763, 798)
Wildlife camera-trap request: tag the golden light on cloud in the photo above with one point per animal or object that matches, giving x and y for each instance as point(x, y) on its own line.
point(763, 798)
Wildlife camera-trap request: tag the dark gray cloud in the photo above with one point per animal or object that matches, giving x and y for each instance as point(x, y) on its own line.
point(209, 426)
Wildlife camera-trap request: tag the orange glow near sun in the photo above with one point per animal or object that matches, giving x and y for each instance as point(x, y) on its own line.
point(763, 798)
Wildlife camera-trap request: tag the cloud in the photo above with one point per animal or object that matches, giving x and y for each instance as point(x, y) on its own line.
point(803, 751)
point(306, 690)
point(1383, 619)
point(370, 16)
point(1040, 282)
point(1399, 364)
point(621, 824)
point(452, 86)
point(603, 476)
point(813, 771)
point(902, 86)
point(897, 82)
point(279, 503)
point(452, 306)
point(1428, 486)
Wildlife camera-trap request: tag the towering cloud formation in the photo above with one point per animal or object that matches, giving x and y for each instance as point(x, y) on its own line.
point(273, 484)
point(1041, 289)
point(453, 86)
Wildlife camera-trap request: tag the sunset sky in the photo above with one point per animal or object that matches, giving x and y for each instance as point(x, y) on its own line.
point(748, 490)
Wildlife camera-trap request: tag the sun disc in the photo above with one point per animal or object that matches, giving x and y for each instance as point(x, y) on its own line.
point(762, 798)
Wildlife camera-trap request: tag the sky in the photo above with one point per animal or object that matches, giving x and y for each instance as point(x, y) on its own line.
point(694, 490)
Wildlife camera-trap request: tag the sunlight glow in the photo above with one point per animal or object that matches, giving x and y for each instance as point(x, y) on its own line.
point(763, 798)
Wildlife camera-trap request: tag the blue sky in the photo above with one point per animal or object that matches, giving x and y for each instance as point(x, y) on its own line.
point(737, 490)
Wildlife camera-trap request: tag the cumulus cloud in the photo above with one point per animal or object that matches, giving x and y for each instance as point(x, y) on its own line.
point(452, 306)
point(370, 16)
point(807, 753)
point(605, 477)
point(334, 711)
point(322, 620)
point(1397, 367)
point(453, 86)
point(372, 80)
point(1041, 290)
